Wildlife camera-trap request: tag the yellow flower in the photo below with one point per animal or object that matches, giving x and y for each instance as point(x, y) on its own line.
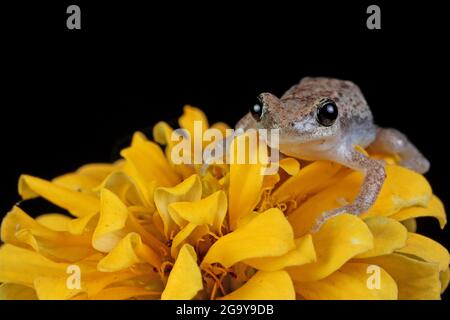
point(148, 228)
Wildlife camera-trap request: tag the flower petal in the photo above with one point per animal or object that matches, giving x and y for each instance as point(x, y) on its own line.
point(129, 251)
point(402, 188)
point(265, 285)
point(185, 279)
point(147, 165)
point(349, 283)
point(388, 235)
point(77, 203)
point(12, 291)
point(190, 115)
point(290, 165)
point(188, 190)
point(267, 235)
point(309, 179)
point(54, 221)
point(416, 280)
point(435, 208)
point(338, 240)
point(246, 180)
point(22, 266)
point(113, 217)
point(302, 253)
point(21, 230)
point(426, 249)
point(210, 210)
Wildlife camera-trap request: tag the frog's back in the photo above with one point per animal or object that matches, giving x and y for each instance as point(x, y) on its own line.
point(355, 115)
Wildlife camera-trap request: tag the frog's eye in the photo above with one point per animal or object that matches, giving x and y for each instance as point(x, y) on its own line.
point(257, 109)
point(327, 113)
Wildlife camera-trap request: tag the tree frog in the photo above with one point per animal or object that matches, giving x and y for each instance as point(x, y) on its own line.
point(324, 119)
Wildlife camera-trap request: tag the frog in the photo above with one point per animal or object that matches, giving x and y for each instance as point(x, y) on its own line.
point(323, 118)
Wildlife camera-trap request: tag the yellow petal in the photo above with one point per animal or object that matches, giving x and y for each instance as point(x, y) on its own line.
point(290, 165)
point(416, 280)
point(267, 235)
point(54, 221)
point(188, 190)
point(349, 283)
point(185, 279)
point(426, 249)
point(124, 187)
point(435, 208)
point(129, 251)
point(445, 279)
point(190, 115)
point(308, 180)
point(265, 285)
point(21, 230)
point(77, 203)
point(76, 182)
point(210, 210)
point(246, 180)
point(148, 166)
point(84, 224)
point(302, 254)
point(338, 240)
point(99, 171)
point(402, 188)
point(162, 133)
point(388, 235)
point(22, 266)
point(111, 224)
point(12, 291)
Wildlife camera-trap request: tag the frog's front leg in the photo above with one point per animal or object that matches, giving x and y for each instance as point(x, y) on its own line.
point(375, 175)
point(394, 142)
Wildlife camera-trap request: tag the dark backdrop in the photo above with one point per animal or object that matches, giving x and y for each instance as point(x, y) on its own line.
point(68, 97)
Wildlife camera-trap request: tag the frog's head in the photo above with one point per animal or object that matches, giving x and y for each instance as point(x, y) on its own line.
point(310, 121)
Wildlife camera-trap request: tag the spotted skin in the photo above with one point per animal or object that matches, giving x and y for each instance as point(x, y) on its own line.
point(303, 137)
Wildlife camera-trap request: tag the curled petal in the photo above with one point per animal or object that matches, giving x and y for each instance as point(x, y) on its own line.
point(188, 190)
point(246, 180)
point(302, 253)
point(416, 280)
point(265, 285)
point(426, 249)
point(208, 211)
point(338, 240)
point(54, 221)
point(190, 115)
point(349, 283)
point(435, 209)
point(388, 235)
point(129, 251)
point(267, 235)
point(185, 279)
point(290, 165)
point(12, 291)
point(77, 203)
point(111, 224)
point(147, 165)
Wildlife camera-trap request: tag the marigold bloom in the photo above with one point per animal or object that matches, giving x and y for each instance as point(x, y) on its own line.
point(147, 228)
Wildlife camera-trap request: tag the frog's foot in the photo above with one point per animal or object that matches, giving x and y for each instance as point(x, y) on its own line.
point(327, 215)
point(394, 142)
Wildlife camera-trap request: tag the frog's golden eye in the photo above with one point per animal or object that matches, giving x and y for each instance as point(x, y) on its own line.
point(327, 113)
point(257, 109)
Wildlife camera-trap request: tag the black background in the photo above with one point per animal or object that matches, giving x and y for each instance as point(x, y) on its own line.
point(69, 96)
